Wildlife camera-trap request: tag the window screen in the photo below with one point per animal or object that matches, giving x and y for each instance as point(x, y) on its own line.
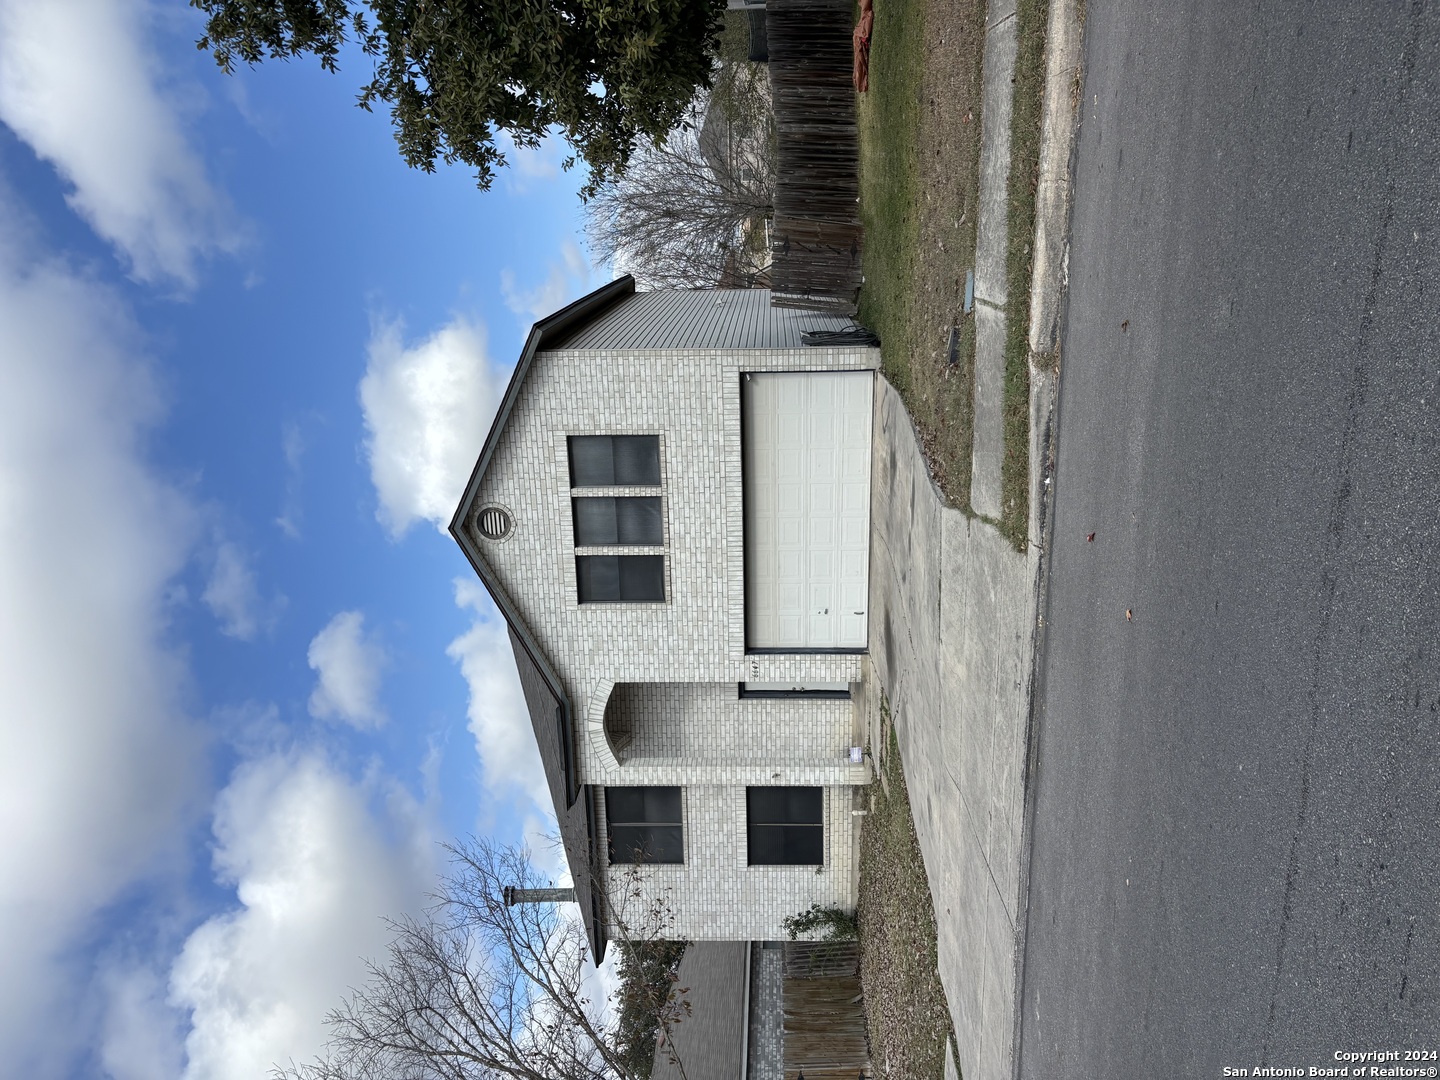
point(601, 521)
point(614, 460)
point(620, 578)
point(785, 826)
point(644, 824)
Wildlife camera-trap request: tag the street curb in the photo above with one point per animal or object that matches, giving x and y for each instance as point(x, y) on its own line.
point(1048, 291)
point(1058, 125)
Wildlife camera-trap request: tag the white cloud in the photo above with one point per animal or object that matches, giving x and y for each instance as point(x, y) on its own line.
point(427, 410)
point(77, 83)
point(100, 768)
point(316, 860)
point(140, 1036)
point(292, 444)
point(568, 279)
point(233, 597)
point(348, 666)
point(498, 717)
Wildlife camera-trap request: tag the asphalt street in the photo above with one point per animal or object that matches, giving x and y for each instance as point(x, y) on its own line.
point(1236, 830)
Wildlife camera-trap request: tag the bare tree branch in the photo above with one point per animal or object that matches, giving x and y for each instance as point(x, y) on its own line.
point(684, 212)
point(475, 989)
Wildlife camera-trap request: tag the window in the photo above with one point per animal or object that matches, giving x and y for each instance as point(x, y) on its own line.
point(600, 522)
point(609, 521)
point(614, 461)
point(644, 825)
point(785, 826)
point(620, 579)
point(818, 691)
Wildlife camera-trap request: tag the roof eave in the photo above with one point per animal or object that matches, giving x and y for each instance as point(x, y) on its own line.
point(544, 332)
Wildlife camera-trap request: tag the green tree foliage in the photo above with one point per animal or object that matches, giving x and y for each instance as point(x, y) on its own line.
point(647, 971)
point(611, 75)
point(833, 923)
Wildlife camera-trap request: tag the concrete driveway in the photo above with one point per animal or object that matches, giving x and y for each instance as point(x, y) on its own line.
point(955, 607)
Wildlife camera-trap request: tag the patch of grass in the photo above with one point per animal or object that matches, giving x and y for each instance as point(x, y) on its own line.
point(889, 122)
point(905, 1009)
point(1019, 262)
point(919, 184)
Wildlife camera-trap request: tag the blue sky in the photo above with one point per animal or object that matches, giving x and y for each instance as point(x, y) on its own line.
point(247, 683)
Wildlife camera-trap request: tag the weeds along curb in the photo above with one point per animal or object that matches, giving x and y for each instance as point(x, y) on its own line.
point(1048, 293)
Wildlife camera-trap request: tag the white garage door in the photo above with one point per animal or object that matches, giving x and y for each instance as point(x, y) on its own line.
point(807, 509)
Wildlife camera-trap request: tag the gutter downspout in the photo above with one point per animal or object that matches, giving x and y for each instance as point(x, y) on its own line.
point(745, 1016)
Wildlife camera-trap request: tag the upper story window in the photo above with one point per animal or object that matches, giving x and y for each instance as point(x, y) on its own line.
point(607, 521)
point(644, 825)
point(785, 826)
point(603, 522)
point(614, 461)
point(619, 579)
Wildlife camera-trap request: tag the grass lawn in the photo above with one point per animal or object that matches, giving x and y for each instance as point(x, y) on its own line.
point(1019, 263)
point(905, 1008)
point(919, 181)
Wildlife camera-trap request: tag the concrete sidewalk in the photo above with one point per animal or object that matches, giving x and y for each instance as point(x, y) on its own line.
point(991, 230)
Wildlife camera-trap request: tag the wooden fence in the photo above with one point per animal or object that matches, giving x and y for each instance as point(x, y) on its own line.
point(824, 1021)
point(815, 242)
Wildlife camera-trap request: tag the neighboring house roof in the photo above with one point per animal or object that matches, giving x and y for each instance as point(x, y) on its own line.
point(551, 711)
point(710, 1042)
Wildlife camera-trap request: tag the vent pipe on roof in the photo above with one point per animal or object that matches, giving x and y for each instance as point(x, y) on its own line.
point(516, 895)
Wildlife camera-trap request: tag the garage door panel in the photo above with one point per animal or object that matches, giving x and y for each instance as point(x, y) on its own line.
point(823, 572)
point(807, 504)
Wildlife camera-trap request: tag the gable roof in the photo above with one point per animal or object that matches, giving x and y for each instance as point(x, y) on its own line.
point(551, 711)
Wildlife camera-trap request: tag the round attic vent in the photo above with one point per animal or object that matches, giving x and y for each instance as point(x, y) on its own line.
point(494, 523)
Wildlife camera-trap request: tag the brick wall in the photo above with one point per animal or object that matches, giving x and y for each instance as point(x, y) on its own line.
point(709, 723)
point(716, 896)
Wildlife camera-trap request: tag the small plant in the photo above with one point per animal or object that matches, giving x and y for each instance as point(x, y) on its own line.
point(836, 924)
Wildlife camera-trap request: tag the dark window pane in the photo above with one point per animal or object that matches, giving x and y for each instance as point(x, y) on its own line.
point(642, 577)
point(665, 844)
point(646, 843)
point(627, 520)
point(644, 824)
point(595, 522)
point(614, 578)
point(804, 845)
point(786, 845)
point(784, 805)
point(661, 804)
point(637, 521)
point(614, 461)
point(598, 577)
point(766, 845)
point(625, 804)
point(637, 460)
point(592, 462)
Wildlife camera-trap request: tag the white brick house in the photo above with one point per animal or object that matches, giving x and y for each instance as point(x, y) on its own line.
point(671, 510)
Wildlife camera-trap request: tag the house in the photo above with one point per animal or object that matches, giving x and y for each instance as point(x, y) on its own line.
point(671, 511)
